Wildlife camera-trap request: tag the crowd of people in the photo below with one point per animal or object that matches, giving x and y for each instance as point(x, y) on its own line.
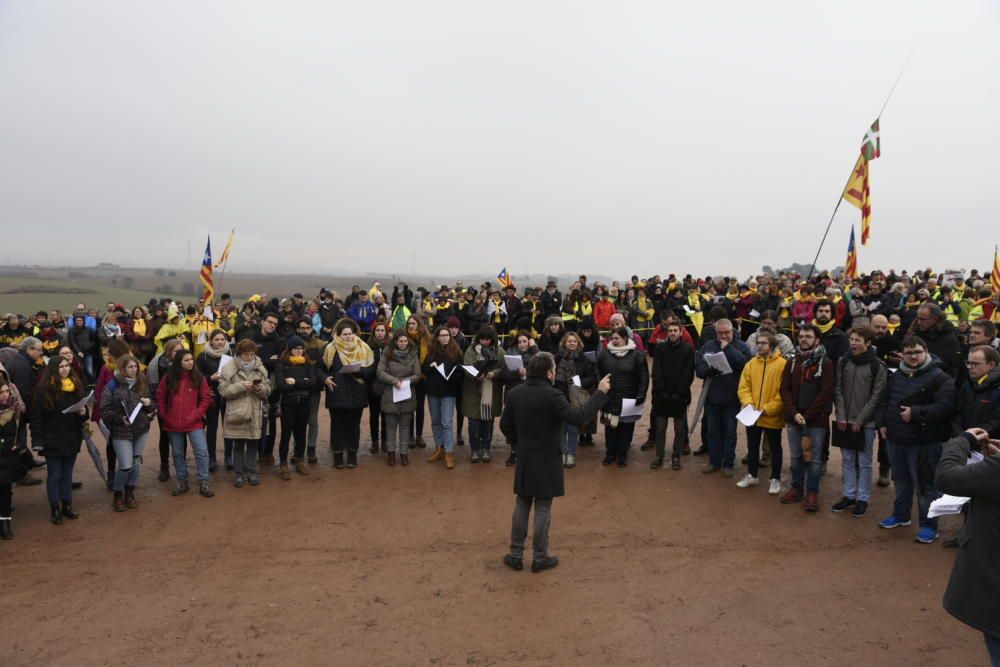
point(886, 367)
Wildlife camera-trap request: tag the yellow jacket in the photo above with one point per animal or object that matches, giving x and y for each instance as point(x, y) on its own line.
point(760, 383)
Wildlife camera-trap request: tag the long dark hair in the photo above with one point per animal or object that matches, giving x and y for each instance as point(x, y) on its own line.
point(175, 373)
point(450, 352)
point(51, 384)
point(140, 378)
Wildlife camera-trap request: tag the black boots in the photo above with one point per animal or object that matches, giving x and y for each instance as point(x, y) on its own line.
point(56, 514)
point(311, 455)
point(118, 501)
point(67, 511)
point(338, 460)
point(6, 532)
point(130, 501)
point(352, 458)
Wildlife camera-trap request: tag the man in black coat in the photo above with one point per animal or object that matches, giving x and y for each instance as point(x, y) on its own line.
point(673, 373)
point(940, 336)
point(973, 593)
point(532, 421)
point(269, 349)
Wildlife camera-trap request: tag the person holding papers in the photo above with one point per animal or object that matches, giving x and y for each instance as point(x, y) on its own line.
point(398, 374)
point(720, 362)
point(515, 369)
point(349, 366)
point(482, 395)
point(760, 396)
point(629, 382)
point(861, 380)
point(296, 378)
point(127, 410)
point(576, 376)
point(443, 372)
point(57, 419)
point(209, 363)
point(807, 389)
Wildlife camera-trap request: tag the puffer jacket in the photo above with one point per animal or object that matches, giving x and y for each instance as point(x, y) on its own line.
point(244, 408)
point(307, 380)
point(117, 403)
point(760, 386)
point(860, 385)
point(399, 365)
point(183, 410)
point(350, 392)
point(930, 394)
point(59, 434)
point(629, 378)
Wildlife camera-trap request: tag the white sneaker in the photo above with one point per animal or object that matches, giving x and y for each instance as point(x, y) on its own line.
point(565, 459)
point(749, 480)
point(570, 460)
point(775, 487)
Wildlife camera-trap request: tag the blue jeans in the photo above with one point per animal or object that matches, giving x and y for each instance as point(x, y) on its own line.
point(480, 434)
point(721, 420)
point(442, 408)
point(818, 436)
point(200, 447)
point(571, 437)
point(913, 472)
point(993, 647)
point(129, 456)
point(59, 483)
point(852, 460)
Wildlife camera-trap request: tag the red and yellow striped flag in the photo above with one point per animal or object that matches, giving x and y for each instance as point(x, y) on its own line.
point(225, 251)
point(857, 193)
point(206, 272)
point(995, 276)
point(851, 265)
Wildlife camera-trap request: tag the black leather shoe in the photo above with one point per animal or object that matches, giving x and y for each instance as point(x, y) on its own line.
point(7, 533)
point(513, 562)
point(701, 451)
point(67, 511)
point(511, 460)
point(546, 563)
point(164, 475)
point(311, 455)
point(56, 514)
point(352, 458)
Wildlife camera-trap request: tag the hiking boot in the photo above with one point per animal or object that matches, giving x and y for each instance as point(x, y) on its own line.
point(748, 481)
point(794, 495)
point(484, 456)
point(708, 469)
point(118, 501)
point(675, 463)
point(181, 488)
point(513, 562)
point(404, 459)
point(205, 489)
point(812, 502)
point(285, 472)
point(311, 455)
point(449, 461)
point(163, 476)
point(860, 509)
point(546, 563)
point(390, 459)
point(436, 455)
point(656, 463)
point(130, 501)
point(843, 504)
point(301, 468)
point(512, 459)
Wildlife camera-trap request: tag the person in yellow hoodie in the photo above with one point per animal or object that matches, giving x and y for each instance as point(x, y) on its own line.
point(760, 385)
point(174, 327)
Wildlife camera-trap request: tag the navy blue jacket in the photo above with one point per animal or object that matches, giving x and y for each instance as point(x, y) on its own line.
point(722, 390)
point(930, 393)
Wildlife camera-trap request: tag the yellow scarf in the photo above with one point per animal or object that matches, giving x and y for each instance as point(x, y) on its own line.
point(349, 353)
point(823, 328)
point(836, 299)
point(296, 361)
point(67, 385)
point(694, 300)
point(139, 327)
point(893, 327)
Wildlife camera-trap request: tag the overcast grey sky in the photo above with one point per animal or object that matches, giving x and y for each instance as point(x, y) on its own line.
point(600, 137)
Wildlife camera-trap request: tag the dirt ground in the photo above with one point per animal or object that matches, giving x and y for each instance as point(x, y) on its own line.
point(384, 565)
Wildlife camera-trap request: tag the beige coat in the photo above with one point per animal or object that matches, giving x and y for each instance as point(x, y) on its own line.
point(244, 408)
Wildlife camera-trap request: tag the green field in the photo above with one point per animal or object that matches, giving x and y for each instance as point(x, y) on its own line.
point(30, 302)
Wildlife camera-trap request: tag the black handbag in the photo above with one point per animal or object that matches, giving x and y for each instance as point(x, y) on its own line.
point(848, 439)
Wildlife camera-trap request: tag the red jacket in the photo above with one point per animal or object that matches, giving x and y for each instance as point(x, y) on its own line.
point(603, 310)
point(184, 410)
point(660, 334)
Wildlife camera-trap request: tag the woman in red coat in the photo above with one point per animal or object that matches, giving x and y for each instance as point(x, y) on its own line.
point(183, 398)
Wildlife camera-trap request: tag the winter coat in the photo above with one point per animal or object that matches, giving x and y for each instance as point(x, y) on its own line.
point(513, 378)
point(836, 343)
point(435, 384)
point(603, 310)
point(979, 405)
point(795, 377)
point(399, 366)
point(82, 339)
point(183, 410)
point(307, 380)
point(582, 367)
point(673, 373)
point(244, 416)
point(58, 434)
point(971, 596)
point(142, 346)
point(209, 366)
point(472, 387)
point(723, 388)
point(12, 466)
point(930, 394)
point(942, 342)
point(760, 386)
point(23, 374)
point(629, 379)
point(350, 392)
point(533, 422)
point(117, 403)
point(860, 385)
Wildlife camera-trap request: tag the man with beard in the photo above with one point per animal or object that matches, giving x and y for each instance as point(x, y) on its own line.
point(314, 350)
point(831, 338)
point(673, 373)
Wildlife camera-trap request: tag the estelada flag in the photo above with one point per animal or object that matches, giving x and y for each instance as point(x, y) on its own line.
point(504, 278)
point(851, 265)
point(206, 272)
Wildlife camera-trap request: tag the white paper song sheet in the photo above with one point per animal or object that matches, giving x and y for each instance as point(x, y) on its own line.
point(223, 360)
point(513, 362)
point(630, 409)
point(718, 361)
point(471, 370)
point(446, 376)
point(82, 403)
point(402, 392)
point(749, 415)
point(135, 413)
point(576, 381)
point(952, 504)
point(351, 368)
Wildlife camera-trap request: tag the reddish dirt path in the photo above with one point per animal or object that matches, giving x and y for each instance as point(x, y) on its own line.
point(402, 566)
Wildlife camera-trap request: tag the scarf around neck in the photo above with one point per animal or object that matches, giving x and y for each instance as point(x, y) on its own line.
point(824, 328)
point(566, 365)
point(139, 327)
point(354, 352)
point(67, 385)
point(621, 351)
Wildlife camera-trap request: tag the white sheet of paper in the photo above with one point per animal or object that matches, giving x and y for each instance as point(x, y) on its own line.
point(223, 360)
point(471, 370)
point(749, 415)
point(209, 313)
point(576, 381)
point(82, 403)
point(718, 361)
point(754, 313)
point(351, 368)
point(446, 376)
point(630, 409)
point(687, 309)
point(592, 355)
point(135, 413)
point(513, 362)
point(946, 505)
point(202, 338)
point(401, 393)
point(893, 370)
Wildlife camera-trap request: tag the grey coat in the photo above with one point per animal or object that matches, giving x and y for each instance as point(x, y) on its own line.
point(858, 393)
point(402, 366)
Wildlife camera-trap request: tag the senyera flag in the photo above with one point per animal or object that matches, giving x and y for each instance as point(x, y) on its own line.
point(224, 257)
point(851, 265)
point(858, 190)
point(206, 272)
point(995, 276)
point(504, 278)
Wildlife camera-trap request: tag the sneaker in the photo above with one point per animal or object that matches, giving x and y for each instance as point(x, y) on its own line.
point(546, 563)
point(513, 562)
point(675, 463)
point(747, 482)
point(254, 480)
point(794, 495)
point(860, 509)
point(843, 504)
point(570, 460)
point(708, 469)
point(475, 456)
point(812, 502)
point(485, 456)
point(892, 522)
point(728, 472)
point(927, 535)
point(774, 488)
point(181, 488)
point(240, 482)
point(564, 459)
point(657, 463)
point(205, 489)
